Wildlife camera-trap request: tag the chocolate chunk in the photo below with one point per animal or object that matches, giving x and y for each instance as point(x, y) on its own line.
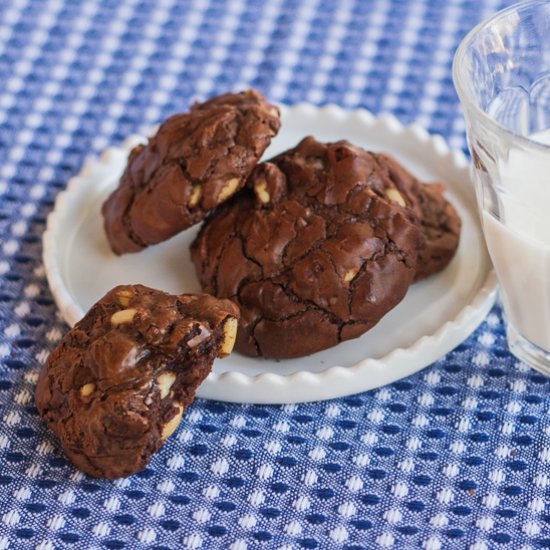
point(194, 162)
point(313, 251)
point(119, 382)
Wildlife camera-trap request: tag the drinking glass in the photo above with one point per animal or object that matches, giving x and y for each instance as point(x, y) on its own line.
point(501, 72)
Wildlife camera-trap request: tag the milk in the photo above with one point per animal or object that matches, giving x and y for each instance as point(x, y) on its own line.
point(519, 242)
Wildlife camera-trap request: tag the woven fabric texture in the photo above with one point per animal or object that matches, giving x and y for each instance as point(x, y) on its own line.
point(456, 456)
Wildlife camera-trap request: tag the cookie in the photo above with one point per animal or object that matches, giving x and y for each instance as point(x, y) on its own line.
point(440, 222)
point(313, 251)
point(194, 162)
point(119, 382)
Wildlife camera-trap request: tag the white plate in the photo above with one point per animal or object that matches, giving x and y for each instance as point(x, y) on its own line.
point(435, 316)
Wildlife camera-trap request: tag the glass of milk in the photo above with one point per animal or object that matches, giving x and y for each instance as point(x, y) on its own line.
point(501, 72)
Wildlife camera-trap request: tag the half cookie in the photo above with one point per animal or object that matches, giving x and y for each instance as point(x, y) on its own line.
point(118, 383)
point(194, 162)
point(312, 251)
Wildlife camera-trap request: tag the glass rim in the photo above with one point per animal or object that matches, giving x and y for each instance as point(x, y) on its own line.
point(458, 64)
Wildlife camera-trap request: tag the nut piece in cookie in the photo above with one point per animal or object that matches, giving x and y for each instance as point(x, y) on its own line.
point(119, 382)
point(194, 162)
point(313, 250)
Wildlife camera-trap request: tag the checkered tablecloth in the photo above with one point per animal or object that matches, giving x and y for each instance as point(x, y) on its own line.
point(456, 456)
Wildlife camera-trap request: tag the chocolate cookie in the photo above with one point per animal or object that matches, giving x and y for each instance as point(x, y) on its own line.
point(312, 251)
point(438, 218)
point(118, 383)
point(194, 162)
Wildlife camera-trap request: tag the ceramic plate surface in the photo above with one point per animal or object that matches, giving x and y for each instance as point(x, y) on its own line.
point(435, 316)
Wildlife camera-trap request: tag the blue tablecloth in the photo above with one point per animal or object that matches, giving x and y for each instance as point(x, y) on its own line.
point(456, 456)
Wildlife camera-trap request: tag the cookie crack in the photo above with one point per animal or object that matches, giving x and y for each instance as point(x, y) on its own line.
point(242, 240)
point(126, 217)
point(333, 318)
